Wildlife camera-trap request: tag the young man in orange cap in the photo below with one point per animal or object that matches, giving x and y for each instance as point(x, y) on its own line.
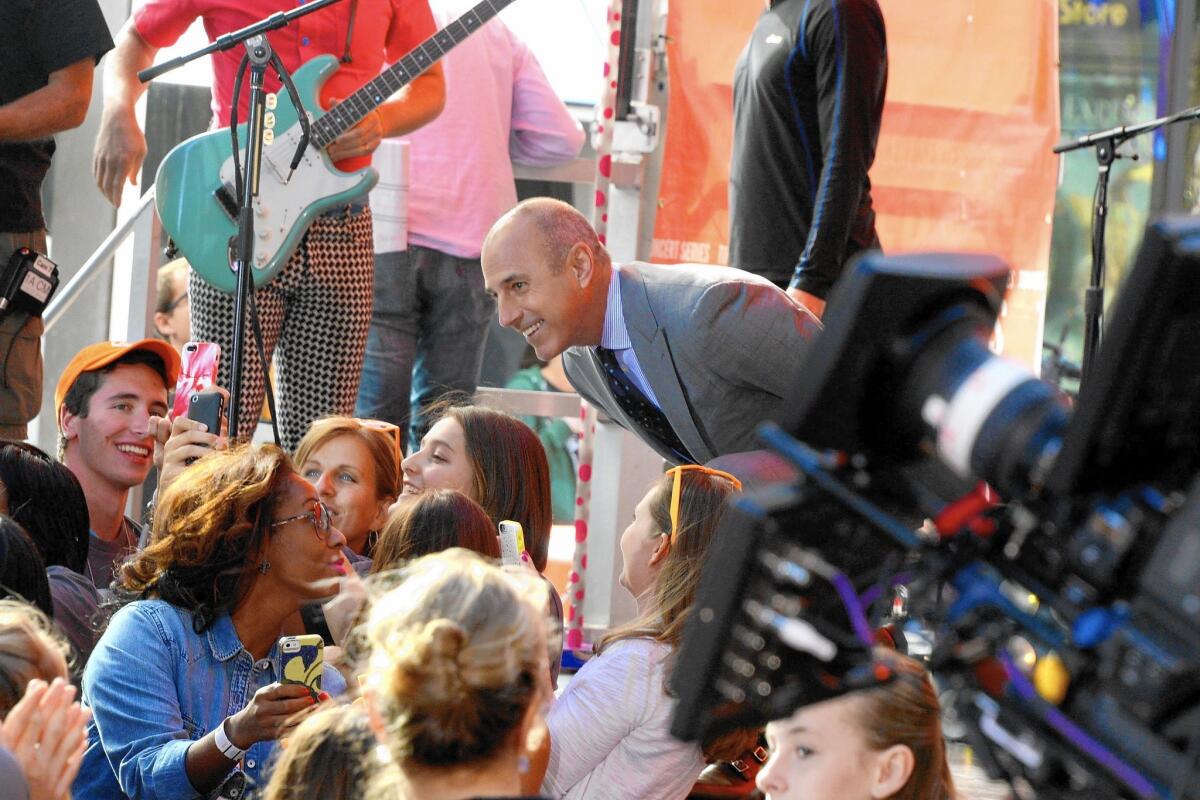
point(104, 401)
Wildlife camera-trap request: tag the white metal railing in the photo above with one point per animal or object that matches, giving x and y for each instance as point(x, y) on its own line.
point(141, 224)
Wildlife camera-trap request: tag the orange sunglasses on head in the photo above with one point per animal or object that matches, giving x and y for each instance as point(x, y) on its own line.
point(390, 430)
point(676, 488)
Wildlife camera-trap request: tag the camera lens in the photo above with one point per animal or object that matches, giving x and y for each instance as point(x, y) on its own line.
point(986, 416)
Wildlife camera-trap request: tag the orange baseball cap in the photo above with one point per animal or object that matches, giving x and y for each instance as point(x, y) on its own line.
point(100, 355)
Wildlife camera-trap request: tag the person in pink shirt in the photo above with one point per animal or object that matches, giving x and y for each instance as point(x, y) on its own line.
point(431, 313)
point(317, 309)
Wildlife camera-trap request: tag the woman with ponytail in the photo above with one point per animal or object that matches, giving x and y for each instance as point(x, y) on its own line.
point(609, 730)
point(883, 743)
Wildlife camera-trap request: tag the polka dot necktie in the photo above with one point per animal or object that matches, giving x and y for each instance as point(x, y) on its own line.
point(638, 407)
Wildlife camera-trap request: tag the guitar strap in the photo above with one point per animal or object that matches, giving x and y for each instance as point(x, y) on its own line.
point(349, 32)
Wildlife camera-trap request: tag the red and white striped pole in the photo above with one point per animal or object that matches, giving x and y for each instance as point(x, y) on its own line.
point(602, 139)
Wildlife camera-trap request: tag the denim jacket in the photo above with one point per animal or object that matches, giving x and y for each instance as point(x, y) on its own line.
point(154, 686)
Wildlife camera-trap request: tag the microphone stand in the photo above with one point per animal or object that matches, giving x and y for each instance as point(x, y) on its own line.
point(260, 55)
point(1107, 144)
point(229, 40)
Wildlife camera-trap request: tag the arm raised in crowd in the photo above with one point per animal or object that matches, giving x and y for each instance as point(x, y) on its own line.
point(45, 732)
point(131, 685)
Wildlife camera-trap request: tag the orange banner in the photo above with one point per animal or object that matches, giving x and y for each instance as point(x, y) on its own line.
point(963, 163)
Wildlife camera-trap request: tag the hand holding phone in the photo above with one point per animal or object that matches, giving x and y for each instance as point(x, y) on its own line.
point(197, 372)
point(301, 661)
point(188, 441)
point(512, 542)
point(207, 407)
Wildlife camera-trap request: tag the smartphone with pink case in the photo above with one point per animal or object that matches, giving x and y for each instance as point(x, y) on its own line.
point(197, 372)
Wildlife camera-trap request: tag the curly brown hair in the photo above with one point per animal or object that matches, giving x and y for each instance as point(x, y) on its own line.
point(209, 529)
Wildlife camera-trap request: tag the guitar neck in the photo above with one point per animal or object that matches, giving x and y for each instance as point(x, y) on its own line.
point(346, 114)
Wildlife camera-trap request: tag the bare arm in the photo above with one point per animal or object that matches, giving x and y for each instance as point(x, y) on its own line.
point(814, 304)
point(58, 106)
point(120, 144)
point(410, 108)
point(416, 104)
point(271, 713)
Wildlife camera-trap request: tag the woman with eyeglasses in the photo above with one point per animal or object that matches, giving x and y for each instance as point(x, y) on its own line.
point(355, 465)
point(183, 684)
point(609, 730)
point(172, 310)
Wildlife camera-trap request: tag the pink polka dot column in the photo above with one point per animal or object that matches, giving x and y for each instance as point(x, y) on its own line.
point(576, 587)
point(602, 139)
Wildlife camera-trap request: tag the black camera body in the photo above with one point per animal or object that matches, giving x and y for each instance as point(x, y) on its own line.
point(27, 282)
point(1065, 620)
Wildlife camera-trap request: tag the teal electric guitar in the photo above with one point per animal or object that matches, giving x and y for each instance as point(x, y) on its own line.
point(195, 182)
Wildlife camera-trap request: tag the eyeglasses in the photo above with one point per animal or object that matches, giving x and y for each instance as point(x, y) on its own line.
point(171, 306)
point(321, 519)
point(677, 488)
point(389, 430)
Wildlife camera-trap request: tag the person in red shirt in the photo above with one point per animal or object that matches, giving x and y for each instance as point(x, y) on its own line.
point(318, 308)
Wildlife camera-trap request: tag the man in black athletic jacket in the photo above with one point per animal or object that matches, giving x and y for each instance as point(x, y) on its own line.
point(807, 103)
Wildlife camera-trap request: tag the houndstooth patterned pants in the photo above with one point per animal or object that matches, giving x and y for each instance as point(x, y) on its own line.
point(315, 313)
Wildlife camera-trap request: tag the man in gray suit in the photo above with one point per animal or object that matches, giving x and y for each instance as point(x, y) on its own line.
point(690, 358)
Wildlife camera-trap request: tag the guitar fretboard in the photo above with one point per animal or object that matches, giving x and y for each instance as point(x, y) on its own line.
point(346, 114)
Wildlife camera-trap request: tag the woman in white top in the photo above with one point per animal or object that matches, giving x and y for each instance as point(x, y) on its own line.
point(609, 731)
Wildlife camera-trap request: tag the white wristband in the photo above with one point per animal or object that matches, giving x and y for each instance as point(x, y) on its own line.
point(227, 748)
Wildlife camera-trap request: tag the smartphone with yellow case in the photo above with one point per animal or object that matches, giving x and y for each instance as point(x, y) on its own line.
point(301, 660)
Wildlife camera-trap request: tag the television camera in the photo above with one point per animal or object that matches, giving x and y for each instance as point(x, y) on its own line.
point(1060, 577)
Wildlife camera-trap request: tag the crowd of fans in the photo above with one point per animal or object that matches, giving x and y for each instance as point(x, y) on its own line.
point(141, 654)
point(441, 676)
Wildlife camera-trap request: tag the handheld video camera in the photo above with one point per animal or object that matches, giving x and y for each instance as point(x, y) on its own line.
point(27, 282)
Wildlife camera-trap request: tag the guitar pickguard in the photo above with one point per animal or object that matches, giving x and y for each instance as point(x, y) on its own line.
point(195, 191)
point(281, 203)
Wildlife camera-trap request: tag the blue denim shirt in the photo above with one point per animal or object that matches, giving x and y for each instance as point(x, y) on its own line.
point(154, 686)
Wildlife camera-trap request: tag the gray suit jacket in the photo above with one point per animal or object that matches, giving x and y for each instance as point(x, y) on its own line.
point(721, 348)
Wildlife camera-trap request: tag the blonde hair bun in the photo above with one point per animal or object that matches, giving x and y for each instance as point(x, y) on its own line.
point(455, 658)
point(427, 670)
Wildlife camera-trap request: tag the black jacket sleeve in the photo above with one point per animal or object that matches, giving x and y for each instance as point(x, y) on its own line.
point(846, 42)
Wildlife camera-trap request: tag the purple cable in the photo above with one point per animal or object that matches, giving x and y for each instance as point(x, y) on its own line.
point(853, 608)
point(1077, 736)
point(876, 591)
